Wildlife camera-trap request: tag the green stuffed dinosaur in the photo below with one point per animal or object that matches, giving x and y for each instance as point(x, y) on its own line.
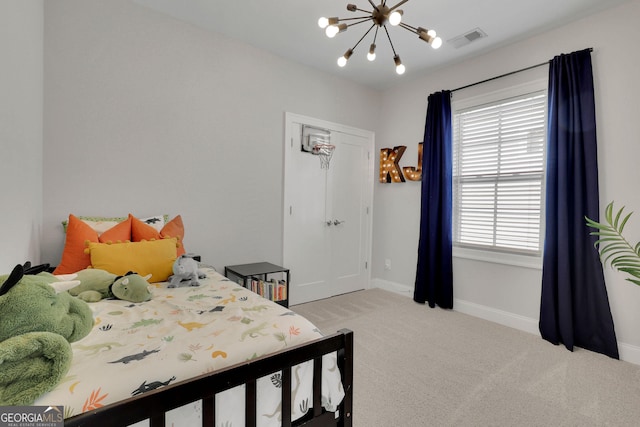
point(38, 320)
point(96, 284)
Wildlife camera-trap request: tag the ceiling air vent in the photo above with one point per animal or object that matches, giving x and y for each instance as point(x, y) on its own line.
point(466, 38)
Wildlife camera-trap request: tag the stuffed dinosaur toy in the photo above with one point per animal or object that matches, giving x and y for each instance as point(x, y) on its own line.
point(185, 272)
point(96, 284)
point(38, 321)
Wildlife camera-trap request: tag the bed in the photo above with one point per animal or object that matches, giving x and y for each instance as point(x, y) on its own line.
point(212, 355)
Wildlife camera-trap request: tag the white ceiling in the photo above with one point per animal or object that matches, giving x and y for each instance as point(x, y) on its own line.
point(288, 28)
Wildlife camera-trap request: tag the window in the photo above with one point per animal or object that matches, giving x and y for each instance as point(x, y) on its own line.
point(498, 174)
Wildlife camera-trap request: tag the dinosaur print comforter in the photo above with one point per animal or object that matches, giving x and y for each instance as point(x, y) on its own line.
point(185, 332)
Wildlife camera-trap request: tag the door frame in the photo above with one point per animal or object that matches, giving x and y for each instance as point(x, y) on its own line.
point(291, 118)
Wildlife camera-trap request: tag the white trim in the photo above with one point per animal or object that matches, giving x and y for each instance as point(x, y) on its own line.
point(526, 261)
point(488, 313)
point(397, 288)
point(495, 315)
point(324, 124)
point(628, 352)
point(460, 102)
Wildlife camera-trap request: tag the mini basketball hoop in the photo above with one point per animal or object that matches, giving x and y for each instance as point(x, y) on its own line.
point(325, 152)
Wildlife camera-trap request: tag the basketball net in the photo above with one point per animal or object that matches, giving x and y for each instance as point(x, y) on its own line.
point(325, 152)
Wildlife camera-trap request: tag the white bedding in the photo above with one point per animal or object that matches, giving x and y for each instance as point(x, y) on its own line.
point(184, 332)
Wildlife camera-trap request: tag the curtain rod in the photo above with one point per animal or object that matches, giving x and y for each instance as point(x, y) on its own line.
point(506, 74)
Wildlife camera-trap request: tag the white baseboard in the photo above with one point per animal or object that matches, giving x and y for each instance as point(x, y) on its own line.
point(502, 317)
point(628, 352)
point(483, 312)
point(392, 287)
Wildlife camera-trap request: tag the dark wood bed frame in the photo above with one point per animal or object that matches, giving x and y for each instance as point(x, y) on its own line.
point(154, 404)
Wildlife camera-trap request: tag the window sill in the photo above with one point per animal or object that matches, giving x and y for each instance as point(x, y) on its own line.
point(534, 262)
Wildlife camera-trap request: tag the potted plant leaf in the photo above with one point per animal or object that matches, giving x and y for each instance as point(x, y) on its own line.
point(613, 248)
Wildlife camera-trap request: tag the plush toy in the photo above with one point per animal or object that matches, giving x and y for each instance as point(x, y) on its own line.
point(38, 320)
point(185, 272)
point(96, 284)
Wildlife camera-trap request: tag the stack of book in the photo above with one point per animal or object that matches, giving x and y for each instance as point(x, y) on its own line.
point(274, 290)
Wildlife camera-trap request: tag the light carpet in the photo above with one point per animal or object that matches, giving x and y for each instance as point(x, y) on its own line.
point(417, 366)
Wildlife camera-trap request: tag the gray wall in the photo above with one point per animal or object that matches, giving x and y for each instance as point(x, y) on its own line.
point(147, 114)
point(506, 293)
point(20, 131)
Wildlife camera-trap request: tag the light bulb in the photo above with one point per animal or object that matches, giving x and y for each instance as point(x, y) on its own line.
point(399, 67)
point(395, 18)
point(342, 61)
point(372, 52)
point(432, 33)
point(323, 22)
point(436, 42)
point(334, 28)
point(331, 31)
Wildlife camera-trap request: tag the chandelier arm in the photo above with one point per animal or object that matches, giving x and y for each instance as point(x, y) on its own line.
point(375, 36)
point(360, 22)
point(391, 43)
point(373, 5)
point(362, 38)
point(408, 27)
point(398, 5)
point(364, 18)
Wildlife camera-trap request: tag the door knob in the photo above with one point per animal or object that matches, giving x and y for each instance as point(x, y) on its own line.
point(336, 222)
point(329, 223)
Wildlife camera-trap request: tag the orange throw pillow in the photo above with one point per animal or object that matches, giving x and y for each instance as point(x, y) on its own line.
point(174, 228)
point(78, 233)
point(120, 232)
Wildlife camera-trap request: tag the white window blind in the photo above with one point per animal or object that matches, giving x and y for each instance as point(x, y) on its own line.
point(498, 171)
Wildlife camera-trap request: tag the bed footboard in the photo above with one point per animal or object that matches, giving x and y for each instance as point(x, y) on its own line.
point(154, 404)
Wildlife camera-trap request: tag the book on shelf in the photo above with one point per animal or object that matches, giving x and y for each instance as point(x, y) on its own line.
point(274, 290)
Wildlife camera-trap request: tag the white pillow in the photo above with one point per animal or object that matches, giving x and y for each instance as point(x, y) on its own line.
point(100, 224)
point(156, 222)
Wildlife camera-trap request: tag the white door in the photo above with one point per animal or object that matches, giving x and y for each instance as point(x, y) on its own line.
point(327, 212)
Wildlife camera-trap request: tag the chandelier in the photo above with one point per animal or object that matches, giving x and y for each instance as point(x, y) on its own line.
point(380, 16)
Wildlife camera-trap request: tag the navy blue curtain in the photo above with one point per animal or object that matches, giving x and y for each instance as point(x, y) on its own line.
point(574, 307)
point(434, 276)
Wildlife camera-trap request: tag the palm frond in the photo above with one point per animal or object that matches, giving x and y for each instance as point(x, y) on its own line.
point(613, 248)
